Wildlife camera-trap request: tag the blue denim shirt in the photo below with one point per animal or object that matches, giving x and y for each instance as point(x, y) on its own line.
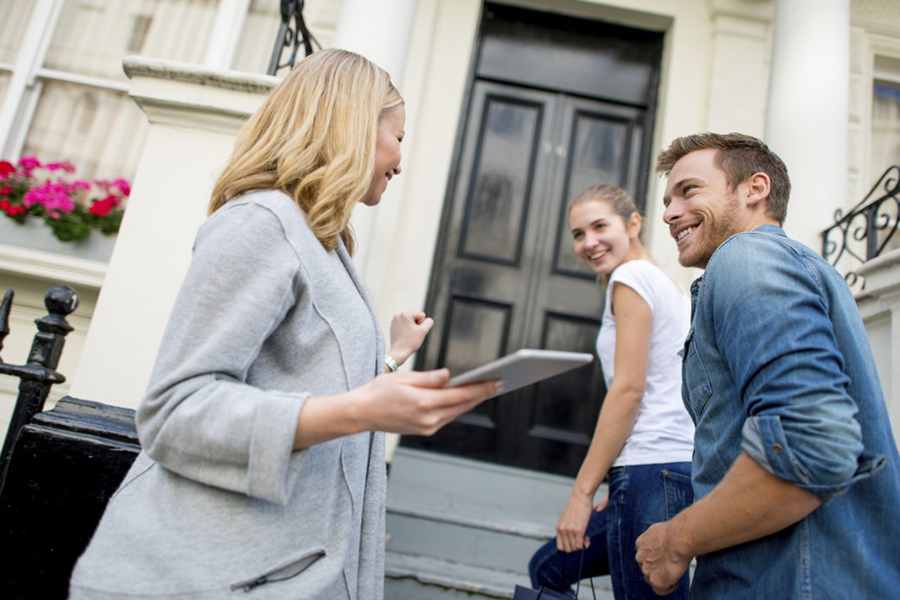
point(777, 364)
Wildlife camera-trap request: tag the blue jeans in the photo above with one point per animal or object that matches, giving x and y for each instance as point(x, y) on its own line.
point(639, 496)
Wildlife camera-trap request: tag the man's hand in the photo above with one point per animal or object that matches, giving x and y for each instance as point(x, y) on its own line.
point(662, 562)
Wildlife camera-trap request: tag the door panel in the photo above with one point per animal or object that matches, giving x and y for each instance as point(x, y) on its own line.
point(480, 299)
point(601, 143)
point(570, 55)
point(566, 300)
point(496, 205)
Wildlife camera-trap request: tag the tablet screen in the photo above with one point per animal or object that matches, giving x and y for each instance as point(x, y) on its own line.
point(524, 367)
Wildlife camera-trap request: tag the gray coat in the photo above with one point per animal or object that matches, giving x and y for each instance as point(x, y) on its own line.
point(218, 503)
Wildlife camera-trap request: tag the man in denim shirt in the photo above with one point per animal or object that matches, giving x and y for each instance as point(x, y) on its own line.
point(795, 469)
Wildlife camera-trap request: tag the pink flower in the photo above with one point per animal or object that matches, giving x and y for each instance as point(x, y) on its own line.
point(123, 186)
point(29, 163)
point(63, 165)
point(52, 196)
point(81, 184)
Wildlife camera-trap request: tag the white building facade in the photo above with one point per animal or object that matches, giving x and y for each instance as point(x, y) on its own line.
point(819, 80)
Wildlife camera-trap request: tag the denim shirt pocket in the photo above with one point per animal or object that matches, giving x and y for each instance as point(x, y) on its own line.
point(695, 379)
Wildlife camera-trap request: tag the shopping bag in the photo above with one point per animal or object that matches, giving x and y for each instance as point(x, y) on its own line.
point(523, 593)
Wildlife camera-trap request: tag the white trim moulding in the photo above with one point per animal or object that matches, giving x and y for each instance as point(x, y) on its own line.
point(51, 267)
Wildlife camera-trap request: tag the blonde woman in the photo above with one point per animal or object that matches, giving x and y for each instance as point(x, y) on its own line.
point(262, 469)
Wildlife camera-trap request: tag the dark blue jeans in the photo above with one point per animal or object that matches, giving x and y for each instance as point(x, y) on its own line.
point(639, 496)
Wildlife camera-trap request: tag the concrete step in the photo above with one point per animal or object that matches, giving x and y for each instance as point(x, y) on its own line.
point(419, 578)
point(470, 512)
point(464, 529)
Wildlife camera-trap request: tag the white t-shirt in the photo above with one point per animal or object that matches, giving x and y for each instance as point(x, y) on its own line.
point(663, 431)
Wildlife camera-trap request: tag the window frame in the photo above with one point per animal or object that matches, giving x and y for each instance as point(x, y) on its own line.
point(877, 46)
point(28, 75)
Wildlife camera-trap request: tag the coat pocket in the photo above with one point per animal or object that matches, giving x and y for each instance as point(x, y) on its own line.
point(287, 570)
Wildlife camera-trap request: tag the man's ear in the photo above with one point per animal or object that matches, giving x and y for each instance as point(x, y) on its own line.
point(758, 187)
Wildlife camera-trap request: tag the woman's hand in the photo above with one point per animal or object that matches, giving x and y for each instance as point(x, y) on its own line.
point(571, 531)
point(408, 331)
point(416, 402)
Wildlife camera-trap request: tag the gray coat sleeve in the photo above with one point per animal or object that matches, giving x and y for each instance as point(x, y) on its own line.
point(199, 418)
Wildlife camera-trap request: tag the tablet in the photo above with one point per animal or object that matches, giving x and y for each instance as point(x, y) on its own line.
point(524, 367)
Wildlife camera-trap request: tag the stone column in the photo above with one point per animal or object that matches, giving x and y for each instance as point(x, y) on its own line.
point(194, 113)
point(808, 109)
point(380, 31)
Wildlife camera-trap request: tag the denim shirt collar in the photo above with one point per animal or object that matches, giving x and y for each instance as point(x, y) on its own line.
point(698, 283)
point(767, 228)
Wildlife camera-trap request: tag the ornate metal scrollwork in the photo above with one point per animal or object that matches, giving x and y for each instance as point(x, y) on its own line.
point(863, 232)
point(291, 36)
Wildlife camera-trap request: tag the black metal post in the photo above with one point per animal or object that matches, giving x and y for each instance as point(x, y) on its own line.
point(872, 231)
point(291, 36)
point(39, 373)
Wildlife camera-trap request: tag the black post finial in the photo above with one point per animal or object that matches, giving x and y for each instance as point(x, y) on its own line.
point(39, 373)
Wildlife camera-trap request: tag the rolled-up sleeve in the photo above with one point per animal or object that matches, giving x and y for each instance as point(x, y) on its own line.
point(773, 329)
point(200, 418)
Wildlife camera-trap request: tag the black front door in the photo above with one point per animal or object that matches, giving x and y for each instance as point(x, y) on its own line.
point(505, 276)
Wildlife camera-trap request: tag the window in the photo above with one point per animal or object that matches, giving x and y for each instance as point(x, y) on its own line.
point(63, 94)
point(885, 124)
point(81, 110)
point(884, 151)
point(12, 31)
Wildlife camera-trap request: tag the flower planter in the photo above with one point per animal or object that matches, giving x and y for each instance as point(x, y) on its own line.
point(35, 235)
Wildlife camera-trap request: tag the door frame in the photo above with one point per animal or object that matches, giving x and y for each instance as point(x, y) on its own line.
point(642, 195)
point(442, 242)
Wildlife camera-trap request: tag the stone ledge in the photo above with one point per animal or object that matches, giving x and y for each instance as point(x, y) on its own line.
point(141, 66)
point(882, 275)
point(51, 267)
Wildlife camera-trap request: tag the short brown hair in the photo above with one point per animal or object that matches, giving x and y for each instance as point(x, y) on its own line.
point(739, 156)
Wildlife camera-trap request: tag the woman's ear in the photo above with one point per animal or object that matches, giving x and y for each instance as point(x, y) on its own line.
point(635, 222)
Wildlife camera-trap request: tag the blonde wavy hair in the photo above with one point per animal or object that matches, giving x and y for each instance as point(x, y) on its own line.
point(314, 138)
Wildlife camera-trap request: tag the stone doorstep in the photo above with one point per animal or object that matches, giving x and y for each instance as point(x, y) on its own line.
point(461, 527)
point(453, 541)
point(480, 494)
point(441, 575)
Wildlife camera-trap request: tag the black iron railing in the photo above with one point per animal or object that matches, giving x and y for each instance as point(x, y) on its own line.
point(58, 468)
point(39, 373)
point(863, 232)
point(291, 35)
